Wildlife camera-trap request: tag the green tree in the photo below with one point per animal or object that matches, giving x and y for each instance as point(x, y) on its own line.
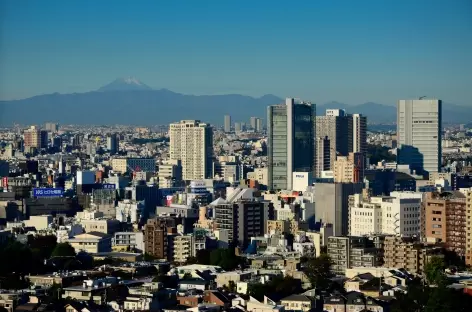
point(63, 250)
point(187, 276)
point(232, 286)
point(434, 271)
point(318, 271)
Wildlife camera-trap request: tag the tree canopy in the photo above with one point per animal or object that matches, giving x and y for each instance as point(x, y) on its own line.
point(434, 271)
point(63, 250)
point(318, 271)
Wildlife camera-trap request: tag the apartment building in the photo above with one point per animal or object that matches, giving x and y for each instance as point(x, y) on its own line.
point(468, 232)
point(407, 253)
point(384, 215)
point(445, 220)
point(129, 240)
point(170, 173)
point(93, 242)
point(191, 141)
point(156, 240)
point(349, 169)
point(107, 226)
point(351, 251)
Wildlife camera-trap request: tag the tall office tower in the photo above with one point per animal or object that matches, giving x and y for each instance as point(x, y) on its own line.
point(44, 138)
point(334, 126)
point(468, 233)
point(291, 144)
point(51, 127)
point(347, 133)
point(227, 123)
point(359, 134)
point(113, 143)
point(322, 155)
point(253, 122)
point(419, 124)
point(237, 127)
point(32, 137)
point(192, 142)
point(259, 125)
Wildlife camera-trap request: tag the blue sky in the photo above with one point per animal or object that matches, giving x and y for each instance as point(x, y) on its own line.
point(347, 51)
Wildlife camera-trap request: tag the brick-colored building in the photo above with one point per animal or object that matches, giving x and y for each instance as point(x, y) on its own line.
point(156, 233)
point(468, 232)
point(444, 220)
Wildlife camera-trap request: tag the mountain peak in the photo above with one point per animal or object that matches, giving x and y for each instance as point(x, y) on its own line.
point(125, 84)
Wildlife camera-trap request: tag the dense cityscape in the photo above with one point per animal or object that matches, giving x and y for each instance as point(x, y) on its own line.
point(277, 156)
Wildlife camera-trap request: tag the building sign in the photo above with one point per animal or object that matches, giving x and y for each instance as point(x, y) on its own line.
point(48, 192)
point(109, 186)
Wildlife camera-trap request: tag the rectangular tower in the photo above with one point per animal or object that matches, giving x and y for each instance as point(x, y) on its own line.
point(419, 124)
point(291, 145)
point(192, 142)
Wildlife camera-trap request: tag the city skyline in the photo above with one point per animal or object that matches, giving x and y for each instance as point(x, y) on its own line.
point(416, 48)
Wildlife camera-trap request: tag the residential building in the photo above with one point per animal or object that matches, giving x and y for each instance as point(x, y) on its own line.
point(468, 232)
point(92, 242)
point(170, 173)
point(419, 126)
point(191, 141)
point(445, 220)
point(242, 219)
point(130, 211)
point(291, 142)
point(352, 251)
point(227, 124)
point(384, 215)
point(156, 238)
point(32, 137)
point(182, 248)
point(106, 226)
point(258, 125)
point(51, 127)
point(227, 168)
point(129, 241)
point(349, 169)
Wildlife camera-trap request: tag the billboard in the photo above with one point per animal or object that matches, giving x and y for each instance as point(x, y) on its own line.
point(109, 186)
point(48, 192)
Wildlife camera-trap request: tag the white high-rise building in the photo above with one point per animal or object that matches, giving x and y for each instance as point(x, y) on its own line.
point(359, 134)
point(419, 124)
point(398, 214)
point(191, 141)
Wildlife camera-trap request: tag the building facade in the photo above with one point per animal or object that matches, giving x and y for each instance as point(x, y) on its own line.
point(419, 126)
point(192, 142)
point(291, 142)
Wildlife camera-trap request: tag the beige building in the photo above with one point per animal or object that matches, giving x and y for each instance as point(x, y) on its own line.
point(261, 175)
point(182, 248)
point(170, 173)
point(298, 303)
point(349, 169)
point(119, 165)
point(39, 222)
point(93, 242)
point(192, 142)
point(106, 226)
point(33, 137)
point(406, 253)
point(223, 279)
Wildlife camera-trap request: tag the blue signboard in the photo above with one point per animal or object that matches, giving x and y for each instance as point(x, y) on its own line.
point(109, 186)
point(48, 192)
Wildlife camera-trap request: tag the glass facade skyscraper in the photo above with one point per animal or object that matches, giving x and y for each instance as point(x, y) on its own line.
point(291, 146)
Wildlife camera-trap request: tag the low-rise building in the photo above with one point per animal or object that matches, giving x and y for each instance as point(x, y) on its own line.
point(92, 242)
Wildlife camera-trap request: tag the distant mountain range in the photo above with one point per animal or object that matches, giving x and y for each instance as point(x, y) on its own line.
point(129, 101)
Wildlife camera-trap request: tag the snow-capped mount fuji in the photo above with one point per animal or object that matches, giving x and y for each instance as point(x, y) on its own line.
point(125, 84)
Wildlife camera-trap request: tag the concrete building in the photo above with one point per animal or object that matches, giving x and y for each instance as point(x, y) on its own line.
point(351, 251)
point(323, 155)
point(156, 240)
point(406, 253)
point(359, 134)
point(259, 125)
point(332, 204)
point(261, 175)
point(39, 222)
point(192, 142)
point(129, 240)
point(170, 173)
point(129, 211)
point(468, 232)
point(106, 226)
point(384, 215)
point(113, 144)
point(242, 219)
point(32, 137)
point(51, 127)
point(349, 169)
point(291, 142)
point(445, 220)
point(227, 124)
point(334, 127)
point(419, 126)
point(182, 248)
point(129, 165)
point(93, 242)
point(227, 168)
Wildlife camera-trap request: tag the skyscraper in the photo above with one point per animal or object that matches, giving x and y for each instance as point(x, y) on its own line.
point(192, 142)
point(346, 133)
point(112, 143)
point(227, 127)
point(259, 125)
point(253, 122)
point(323, 155)
point(419, 124)
point(32, 137)
point(51, 127)
point(291, 144)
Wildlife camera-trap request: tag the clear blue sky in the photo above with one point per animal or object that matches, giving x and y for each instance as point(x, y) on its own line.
point(348, 51)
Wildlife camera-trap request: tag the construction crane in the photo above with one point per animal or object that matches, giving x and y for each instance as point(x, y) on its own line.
point(134, 170)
